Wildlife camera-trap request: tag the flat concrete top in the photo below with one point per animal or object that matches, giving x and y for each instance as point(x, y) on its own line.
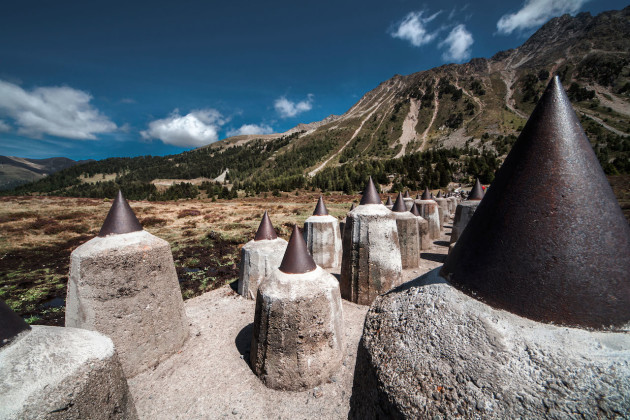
point(42, 358)
point(370, 209)
point(280, 285)
point(211, 378)
point(122, 242)
point(321, 219)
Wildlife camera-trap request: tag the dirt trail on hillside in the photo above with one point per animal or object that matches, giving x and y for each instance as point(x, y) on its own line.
point(436, 105)
point(211, 377)
point(374, 108)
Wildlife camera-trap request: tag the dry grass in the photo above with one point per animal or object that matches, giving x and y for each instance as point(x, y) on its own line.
point(37, 235)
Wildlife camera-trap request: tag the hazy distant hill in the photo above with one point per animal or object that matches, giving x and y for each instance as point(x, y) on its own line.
point(16, 171)
point(429, 128)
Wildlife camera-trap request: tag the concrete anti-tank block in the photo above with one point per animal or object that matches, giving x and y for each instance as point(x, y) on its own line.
point(63, 373)
point(430, 350)
point(298, 330)
point(371, 262)
point(258, 260)
point(423, 231)
point(445, 214)
point(125, 286)
point(409, 239)
point(323, 240)
point(429, 210)
point(463, 214)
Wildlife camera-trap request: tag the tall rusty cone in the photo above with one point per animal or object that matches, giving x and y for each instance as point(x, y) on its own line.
point(439, 194)
point(389, 201)
point(370, 195)
point(296, 259)
point(320, 208)
point(426, 195)
point(11, 324)
point(407, 194)
point(477, 192)
point(265, 229)
point(120, 219)
point(400, 206)
point(535, 246)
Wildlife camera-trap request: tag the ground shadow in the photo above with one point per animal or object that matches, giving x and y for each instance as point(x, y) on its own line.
point(433, 257)
point(337, 276)
point(234, 286)
point(441, 243)
point(243, 342)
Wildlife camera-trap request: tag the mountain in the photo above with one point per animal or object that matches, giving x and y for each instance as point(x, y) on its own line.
point(449, 123)
point(16, 171)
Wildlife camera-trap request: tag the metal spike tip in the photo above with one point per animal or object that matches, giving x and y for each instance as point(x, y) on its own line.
point(370, 195)
point(296, 259)
point(399, 206)
point(265, 229)
point(120, 219)
point(320, 208)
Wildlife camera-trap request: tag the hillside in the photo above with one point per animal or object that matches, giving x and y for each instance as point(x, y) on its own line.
point(433, 127)
point(16, 171)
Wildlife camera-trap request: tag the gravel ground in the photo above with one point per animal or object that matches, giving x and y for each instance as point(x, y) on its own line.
point(211, 378)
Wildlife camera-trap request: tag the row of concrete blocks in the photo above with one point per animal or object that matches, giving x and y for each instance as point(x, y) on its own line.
point(323, 236)
point(298, 334)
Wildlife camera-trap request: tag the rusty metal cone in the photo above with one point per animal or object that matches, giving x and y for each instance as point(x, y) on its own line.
point(389, 201)
point(439, 194)
point(414, 210)
point(477, 192)
point(370, 195)
point(320, 208)
point(11, 324)
point(417, 196)
point(120, 219)
point(407, 194)
point(534, 247)
point(265, 229)
point(399, 206)
point(426, 195)
point(296, 258)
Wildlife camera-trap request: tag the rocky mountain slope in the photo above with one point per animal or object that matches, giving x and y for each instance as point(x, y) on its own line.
point(449, 123)
point(15, 171)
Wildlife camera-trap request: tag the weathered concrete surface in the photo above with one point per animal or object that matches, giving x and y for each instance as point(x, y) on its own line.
point(463, 214)
point(298, 333)
point(63, 373)
point(429, 350)
point(429, 210)
point(445, 214)
point(258, 260)
point(409, 239)
point(323, 240)
point(371, 262)
point(125, 286)
point(452, 204)
point(423, 231)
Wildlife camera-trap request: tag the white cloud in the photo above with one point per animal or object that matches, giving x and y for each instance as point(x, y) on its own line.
point(251, 129)
point(194, 129)
point(413, 29)
point(536, 12)
point(458, 44)
point(57, 111)
point(4, 127)
point(287, 108)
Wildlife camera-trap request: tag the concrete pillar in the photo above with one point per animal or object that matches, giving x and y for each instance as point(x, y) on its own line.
point(443, 210)
point(408, 234)
point(259, 258)
point(371, 262)
point(463, 214)
point(323, 238)
point(423, 228)
point(298, 324)
point(429, 211)
point(61, 373)
point(124, 285)
point(452, 204)
point(408, 200)
point(389, 204)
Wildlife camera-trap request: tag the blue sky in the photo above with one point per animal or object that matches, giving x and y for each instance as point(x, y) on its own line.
point(94, 79)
